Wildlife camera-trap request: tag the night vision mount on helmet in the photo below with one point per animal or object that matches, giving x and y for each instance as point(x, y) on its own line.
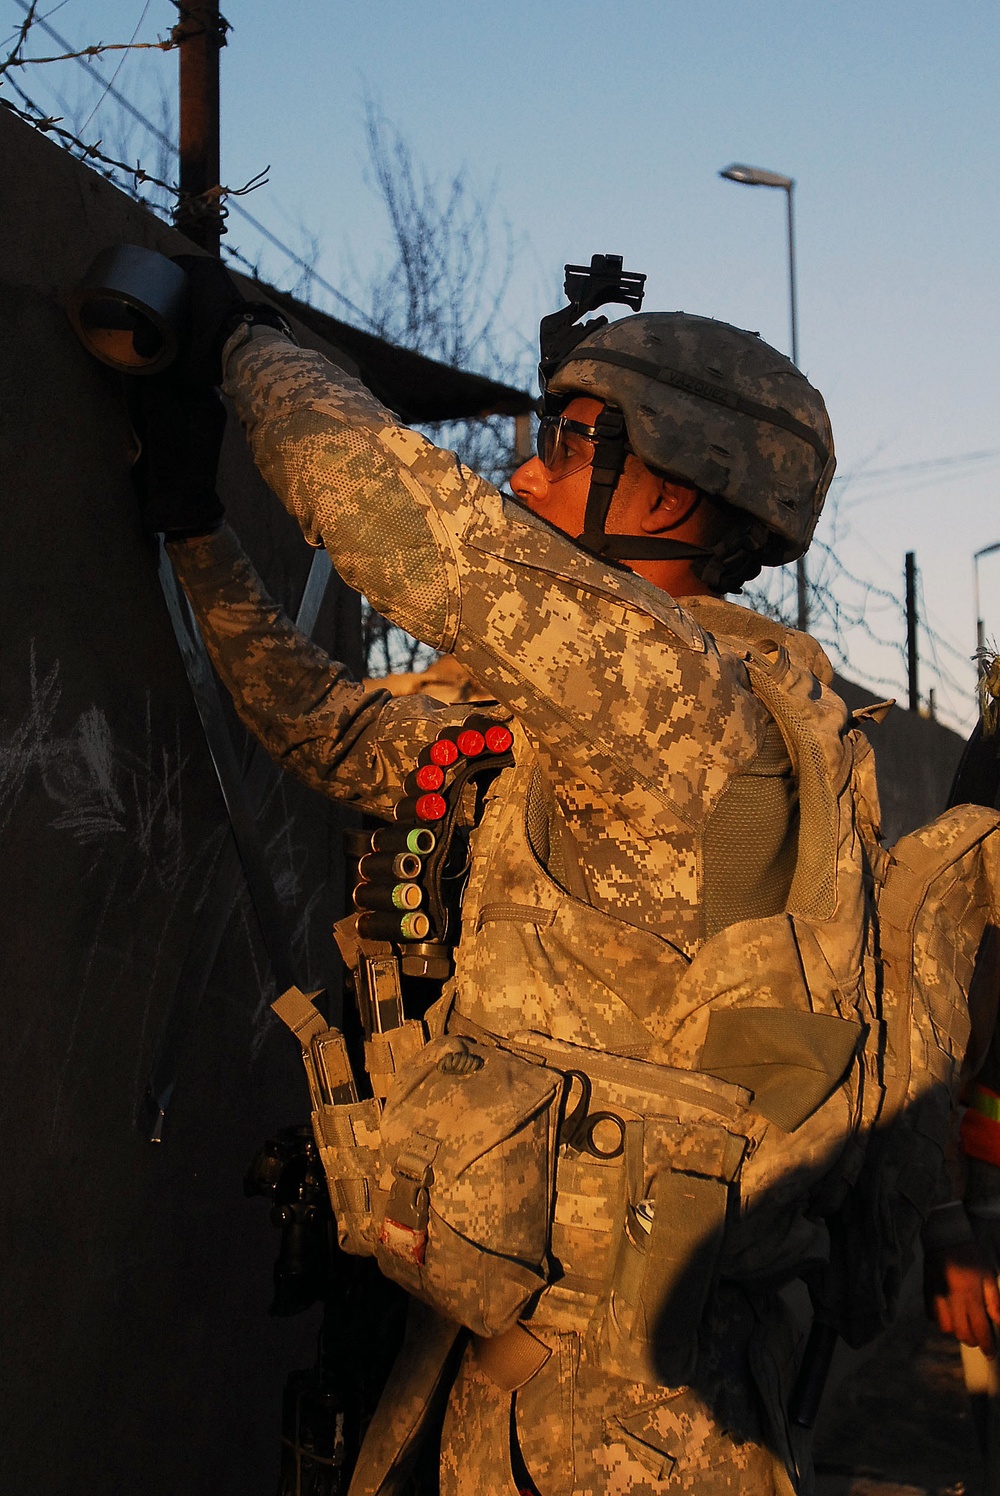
point(703, 403)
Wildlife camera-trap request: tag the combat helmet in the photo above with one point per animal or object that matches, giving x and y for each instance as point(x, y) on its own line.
point(701, 402)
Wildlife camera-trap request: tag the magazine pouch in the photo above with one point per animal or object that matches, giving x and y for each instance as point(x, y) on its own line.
point(346, 1129)
point(466, 1180)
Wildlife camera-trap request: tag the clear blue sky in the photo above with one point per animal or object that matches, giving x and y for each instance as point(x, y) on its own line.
point(603, 128)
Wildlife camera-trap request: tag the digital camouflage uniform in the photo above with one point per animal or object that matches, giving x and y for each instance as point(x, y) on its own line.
point(629, 870)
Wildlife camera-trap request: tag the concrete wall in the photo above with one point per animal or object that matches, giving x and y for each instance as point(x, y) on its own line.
point(915, 759)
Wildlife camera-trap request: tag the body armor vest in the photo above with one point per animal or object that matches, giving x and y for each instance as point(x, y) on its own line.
point(775, 1106)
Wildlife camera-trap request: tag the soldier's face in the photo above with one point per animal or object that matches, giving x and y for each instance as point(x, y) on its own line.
point(559, 492)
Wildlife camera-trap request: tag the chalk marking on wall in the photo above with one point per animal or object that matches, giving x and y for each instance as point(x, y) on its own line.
point(127, 804)
point(24, 744)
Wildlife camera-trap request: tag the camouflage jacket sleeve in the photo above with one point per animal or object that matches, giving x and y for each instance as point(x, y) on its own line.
point(629, 703)
point(305, 708)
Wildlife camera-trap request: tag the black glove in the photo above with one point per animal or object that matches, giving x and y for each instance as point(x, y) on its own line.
point(180, 428)
point(217, 308)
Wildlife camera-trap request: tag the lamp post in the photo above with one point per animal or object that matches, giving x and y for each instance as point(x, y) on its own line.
point(986, 550)
point(757, 176)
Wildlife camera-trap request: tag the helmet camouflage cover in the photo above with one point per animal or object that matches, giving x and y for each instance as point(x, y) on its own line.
point(717, 408)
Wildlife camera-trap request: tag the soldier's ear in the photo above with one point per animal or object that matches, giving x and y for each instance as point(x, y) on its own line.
point(669, 505)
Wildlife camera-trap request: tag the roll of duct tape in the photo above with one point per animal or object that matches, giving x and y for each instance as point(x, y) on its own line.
point(131, 309)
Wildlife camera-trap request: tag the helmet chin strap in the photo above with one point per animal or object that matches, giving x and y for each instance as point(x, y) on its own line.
point(643, 548)
point(734, 558)
point(611, 447)
point(724, 567)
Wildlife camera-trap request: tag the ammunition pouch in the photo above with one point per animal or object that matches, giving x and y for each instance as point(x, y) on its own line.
point(637, 1231)
point(347, 1130)
point(466, 1180)
point(347, 1137)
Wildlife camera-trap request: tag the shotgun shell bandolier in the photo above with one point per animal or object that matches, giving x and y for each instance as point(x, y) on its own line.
point(407, 901)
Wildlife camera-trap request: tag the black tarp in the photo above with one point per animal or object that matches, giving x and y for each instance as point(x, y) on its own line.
point(136, 1354)
point(418, 388)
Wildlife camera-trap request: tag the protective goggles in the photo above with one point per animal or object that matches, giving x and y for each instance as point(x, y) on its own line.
point(564, 446)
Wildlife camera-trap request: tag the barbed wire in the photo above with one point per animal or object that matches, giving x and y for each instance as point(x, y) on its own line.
point(841, 603)
point(96, 49)
point(34, 115)
point(925, 464)
point(841, 609)
point(314, 276)
point(213, 201)
point(52, 125)
point(252, 266)
point(120, 64)
point(936, 641)
point(915, 477)
point(109, 91)
point(49, 122)
point(22, 37)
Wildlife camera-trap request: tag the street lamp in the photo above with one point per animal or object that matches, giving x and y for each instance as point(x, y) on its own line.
point(758, 176)
point(986, 550)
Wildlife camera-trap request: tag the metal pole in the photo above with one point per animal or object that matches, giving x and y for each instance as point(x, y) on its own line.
point(201, 32)
point(802, 595)
point(791, 277)
point(985, 550)
point(757, 176)
point(801, 579)
point(911, 629)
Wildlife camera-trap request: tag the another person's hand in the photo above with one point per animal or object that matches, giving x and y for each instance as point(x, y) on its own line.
point(961, 1294)
point(180, 429)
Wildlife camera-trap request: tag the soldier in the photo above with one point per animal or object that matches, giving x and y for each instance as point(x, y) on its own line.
point(961, 1237)
point(652, 1049)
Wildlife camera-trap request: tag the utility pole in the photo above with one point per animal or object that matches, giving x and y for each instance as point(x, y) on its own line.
point(986, 550)
point(201, 33)
point(911, 629)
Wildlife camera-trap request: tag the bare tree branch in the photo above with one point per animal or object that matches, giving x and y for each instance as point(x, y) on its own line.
point(442, 294)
